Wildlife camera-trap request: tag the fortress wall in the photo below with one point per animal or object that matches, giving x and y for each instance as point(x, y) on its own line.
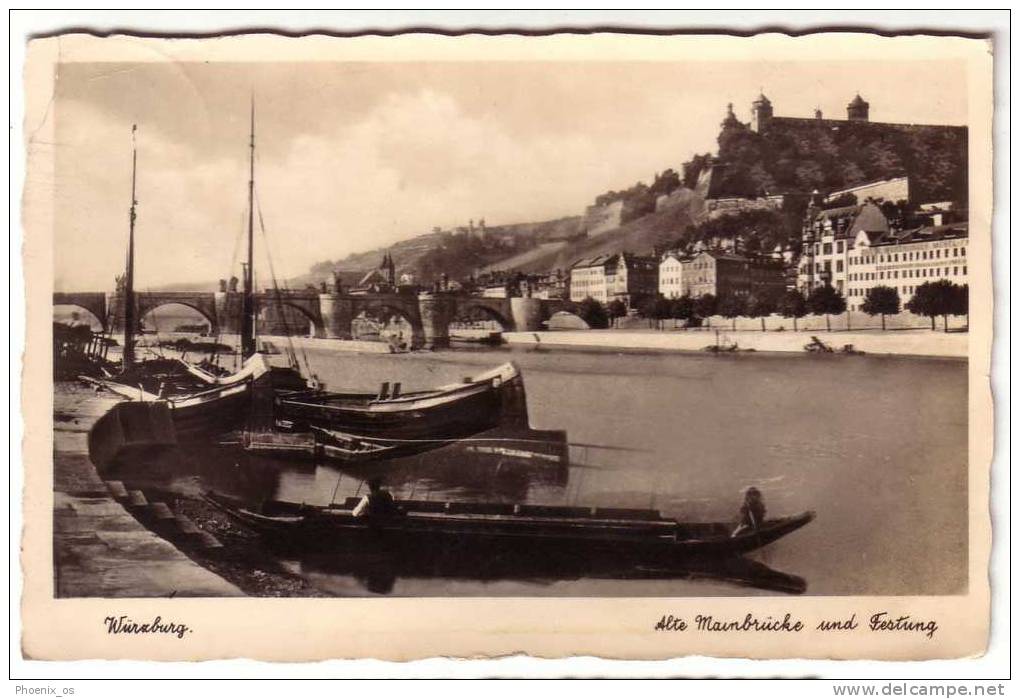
point(600, 219)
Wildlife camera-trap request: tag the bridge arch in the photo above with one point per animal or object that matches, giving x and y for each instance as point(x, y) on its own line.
point(66, 309)
point(146, 305)
point(310, 313)
point(470, 307)
point(94, 303)
point(377, 307)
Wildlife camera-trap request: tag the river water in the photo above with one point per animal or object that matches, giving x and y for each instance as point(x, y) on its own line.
point(877, 446)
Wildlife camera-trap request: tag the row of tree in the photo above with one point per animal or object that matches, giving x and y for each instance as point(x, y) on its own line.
point(932, 299)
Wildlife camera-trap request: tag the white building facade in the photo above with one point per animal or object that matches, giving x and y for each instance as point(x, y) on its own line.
point(905, 261)
point(588, 278)
point(827, 244)
point(671, 277)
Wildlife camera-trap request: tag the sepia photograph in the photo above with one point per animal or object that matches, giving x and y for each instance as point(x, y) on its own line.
point(380, 326)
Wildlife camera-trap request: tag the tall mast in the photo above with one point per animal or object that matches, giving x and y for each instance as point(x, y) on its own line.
point(248, 304)
point(128, 357)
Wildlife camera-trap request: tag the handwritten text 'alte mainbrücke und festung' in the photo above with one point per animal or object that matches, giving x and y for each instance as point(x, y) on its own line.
point(750, 623)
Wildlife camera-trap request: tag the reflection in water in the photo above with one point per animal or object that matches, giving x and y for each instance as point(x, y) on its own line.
point(378, 572)
point(482, 468)
point(469, 470)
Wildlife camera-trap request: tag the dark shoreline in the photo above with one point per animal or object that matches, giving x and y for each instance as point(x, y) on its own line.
point(241, 560)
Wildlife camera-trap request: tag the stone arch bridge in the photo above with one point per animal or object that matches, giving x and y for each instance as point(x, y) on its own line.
point(329, 314)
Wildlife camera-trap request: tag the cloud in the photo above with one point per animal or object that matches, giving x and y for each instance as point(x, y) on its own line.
point(352, 156)
point(415, 160)
point(188, 204)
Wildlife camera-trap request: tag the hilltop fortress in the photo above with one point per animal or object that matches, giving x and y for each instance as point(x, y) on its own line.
point(797, 155)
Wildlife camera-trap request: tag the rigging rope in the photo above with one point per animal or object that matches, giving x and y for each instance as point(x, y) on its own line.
point(292, 354)
point(155, 324)
point(231, 267)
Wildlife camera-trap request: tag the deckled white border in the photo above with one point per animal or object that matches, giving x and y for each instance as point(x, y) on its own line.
point(992, 664)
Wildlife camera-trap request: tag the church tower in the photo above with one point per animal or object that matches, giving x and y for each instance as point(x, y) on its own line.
point(391, 271)
point(761, 113)
point(857, 110)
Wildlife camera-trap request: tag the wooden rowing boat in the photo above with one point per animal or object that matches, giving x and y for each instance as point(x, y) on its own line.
point(445, 527)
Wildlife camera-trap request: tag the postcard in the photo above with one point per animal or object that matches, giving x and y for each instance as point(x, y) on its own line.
point(630, 346)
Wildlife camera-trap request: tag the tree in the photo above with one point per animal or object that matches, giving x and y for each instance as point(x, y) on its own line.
point(881, 300)
point(656, 309)
point(646, 309)
point(693, 167)
point(662, 309)
point(761, 306)
point(593, 313)
point(825, 300)
point(732, 306)
point(704, 305)
point(665, 182)
point(683, 308)
point(845, 199)
point(616, 309)
point(961, 301)
point(941, 298)
point(792, 304)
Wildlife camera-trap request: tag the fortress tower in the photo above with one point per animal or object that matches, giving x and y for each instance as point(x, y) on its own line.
point(857, 110)
point(761, 113)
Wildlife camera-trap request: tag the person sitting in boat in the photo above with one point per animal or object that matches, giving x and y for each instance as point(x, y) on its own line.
point(752, 512)
point(378, 503)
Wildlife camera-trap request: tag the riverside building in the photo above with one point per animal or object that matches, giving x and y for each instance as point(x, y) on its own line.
point(588, 279)
point(622, 276)
point(722, 274)
point(906, 260)
point(828, 237)
point(671, 275)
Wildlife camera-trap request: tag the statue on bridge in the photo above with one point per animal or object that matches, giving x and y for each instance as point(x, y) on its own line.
point(223, 285)
point(233, 283)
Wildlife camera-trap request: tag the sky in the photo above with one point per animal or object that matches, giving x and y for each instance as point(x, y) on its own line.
point(351, 156)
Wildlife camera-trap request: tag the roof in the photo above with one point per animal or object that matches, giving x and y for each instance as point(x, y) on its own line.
point(631, 260)
point(858, 101)
point(866, 217)
point(742, 259)
point(927, 233)
point(839, 212)
point(371, 276)
point(597, 261)
point(875, 237)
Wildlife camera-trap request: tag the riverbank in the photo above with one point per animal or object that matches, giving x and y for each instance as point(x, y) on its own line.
point(913, 342)
point(102, 548)
point(99, 548)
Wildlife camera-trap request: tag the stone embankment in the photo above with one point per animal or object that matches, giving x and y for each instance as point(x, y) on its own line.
point(902, 342)
point(117, 536)
point(100, 546)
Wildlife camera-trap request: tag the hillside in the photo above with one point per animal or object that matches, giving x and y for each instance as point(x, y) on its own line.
point(459, 253)
point(789, 155)
point(639, 236)
point(526, 247)
point(525, 259)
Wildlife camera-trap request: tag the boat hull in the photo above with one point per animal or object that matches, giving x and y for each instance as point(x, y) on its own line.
point(632, 537)
point(135, 427)
point(436, 416)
